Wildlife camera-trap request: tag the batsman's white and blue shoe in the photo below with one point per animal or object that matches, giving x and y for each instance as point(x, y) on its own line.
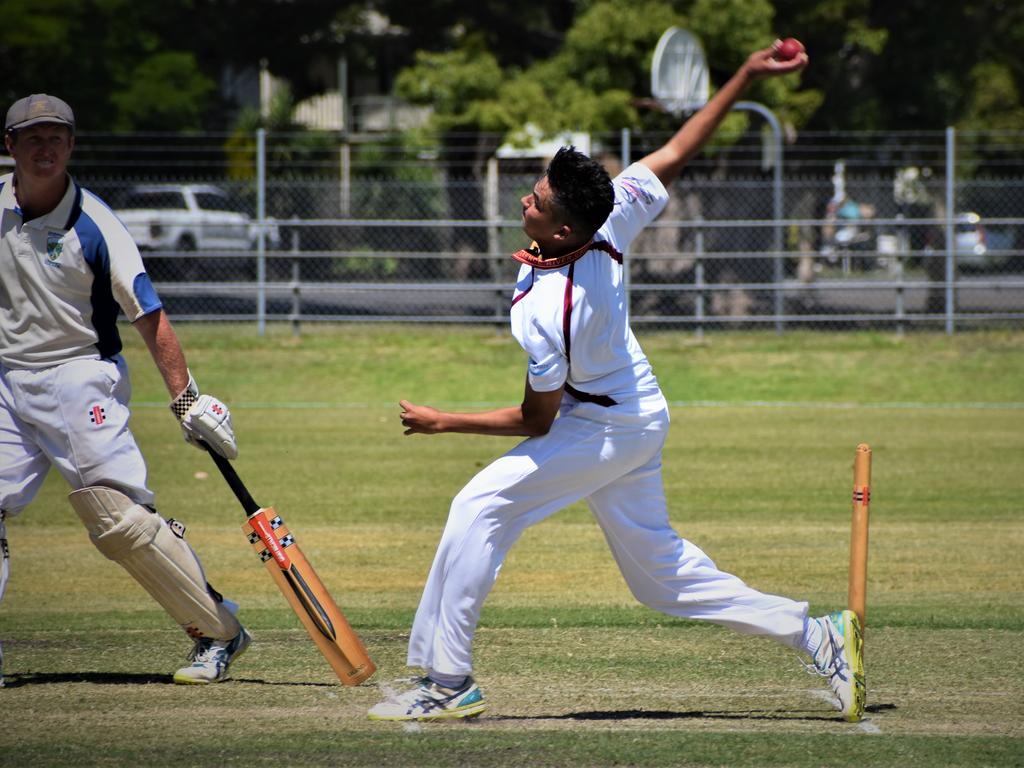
point(840, 658)
point(211, 659)
point(430, 701)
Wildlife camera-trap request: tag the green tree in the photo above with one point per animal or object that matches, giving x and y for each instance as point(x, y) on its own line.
point(595, 80)
point(514, 34)
point(875, 64)
point(165, 92)
point(455, 83)
point(910, 65)
point(144, 64)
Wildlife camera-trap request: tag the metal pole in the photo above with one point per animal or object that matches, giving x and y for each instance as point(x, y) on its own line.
point(492, 211)
point(778, 267)
point(950, 201)
point(698, 281)
point(261, 243)
point(296, 282)
point(343, 92)
point(345, 189)
point(778, 272)
point(897, 269)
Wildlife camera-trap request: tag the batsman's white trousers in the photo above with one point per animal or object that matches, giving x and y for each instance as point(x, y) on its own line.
point(74, 417)
point(612, 458)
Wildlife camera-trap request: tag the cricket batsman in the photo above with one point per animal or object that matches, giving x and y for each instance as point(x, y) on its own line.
point(67, 268)
point(569, 313)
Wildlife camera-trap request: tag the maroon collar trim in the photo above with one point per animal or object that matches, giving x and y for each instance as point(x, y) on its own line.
point(532, 256)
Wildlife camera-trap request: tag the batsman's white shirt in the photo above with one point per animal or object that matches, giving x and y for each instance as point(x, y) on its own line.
point(63, 278)
point(571, 318)
point(64, 387)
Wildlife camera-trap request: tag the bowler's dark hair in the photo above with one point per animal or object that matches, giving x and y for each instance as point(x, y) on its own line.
point(581, 187)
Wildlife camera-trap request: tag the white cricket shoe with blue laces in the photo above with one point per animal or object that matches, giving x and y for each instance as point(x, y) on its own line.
point(211, 659)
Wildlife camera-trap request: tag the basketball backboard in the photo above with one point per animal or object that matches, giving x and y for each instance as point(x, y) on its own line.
point(679, 72)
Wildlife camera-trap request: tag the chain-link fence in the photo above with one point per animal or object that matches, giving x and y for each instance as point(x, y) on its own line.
point(894, 230)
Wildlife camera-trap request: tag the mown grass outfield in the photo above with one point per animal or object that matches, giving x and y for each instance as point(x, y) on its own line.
point(758, 471)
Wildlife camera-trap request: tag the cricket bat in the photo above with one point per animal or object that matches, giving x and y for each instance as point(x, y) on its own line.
point(302, 588)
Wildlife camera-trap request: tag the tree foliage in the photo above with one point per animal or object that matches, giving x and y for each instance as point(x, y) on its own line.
point(599, 77)
point(911, 65)
point(457, 84)
point(514, 33)
point(875, 64)
point(183, 92)
point(151, 64)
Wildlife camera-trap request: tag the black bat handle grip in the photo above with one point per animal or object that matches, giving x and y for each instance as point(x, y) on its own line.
point(234, 481)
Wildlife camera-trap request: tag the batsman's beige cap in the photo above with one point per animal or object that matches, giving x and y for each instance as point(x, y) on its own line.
point(38, 108)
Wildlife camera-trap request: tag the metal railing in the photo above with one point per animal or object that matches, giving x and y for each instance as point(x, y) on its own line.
point(372, 228)
point(864, 288)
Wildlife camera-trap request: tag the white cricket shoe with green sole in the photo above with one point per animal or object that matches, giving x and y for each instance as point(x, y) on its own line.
point(840, 658)
point(430, 701)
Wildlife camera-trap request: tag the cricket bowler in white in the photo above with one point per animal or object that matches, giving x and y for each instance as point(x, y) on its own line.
point(569, 313)
point(67, 268)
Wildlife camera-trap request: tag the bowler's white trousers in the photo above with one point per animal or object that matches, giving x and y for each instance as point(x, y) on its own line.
point(612, 458)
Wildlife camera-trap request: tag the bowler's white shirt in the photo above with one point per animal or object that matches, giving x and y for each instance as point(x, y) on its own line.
point(570, 315)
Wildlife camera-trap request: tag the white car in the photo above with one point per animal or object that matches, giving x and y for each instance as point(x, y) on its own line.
point(189, 217)
point(969, 236)
point(983, 248)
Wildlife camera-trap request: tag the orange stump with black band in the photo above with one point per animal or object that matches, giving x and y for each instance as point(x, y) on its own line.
point(857, 594)
point(308, 597)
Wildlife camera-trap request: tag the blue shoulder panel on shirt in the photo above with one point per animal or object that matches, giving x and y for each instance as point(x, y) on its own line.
point(94, 245)
point(104, 307)
point(76, 209)
point(146, 293)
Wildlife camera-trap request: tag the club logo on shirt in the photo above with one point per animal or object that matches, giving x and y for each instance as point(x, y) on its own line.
point(97, 415)
point(634, 191)
point(54, 246)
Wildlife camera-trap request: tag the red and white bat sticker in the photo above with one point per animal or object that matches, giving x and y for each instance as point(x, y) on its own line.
point(259, 523)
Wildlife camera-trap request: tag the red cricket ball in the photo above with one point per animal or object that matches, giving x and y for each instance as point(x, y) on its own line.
point(790, 49)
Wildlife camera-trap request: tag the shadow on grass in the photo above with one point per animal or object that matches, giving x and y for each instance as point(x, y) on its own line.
point(657, 714)
point(16, 680)
point(697, 714)
point(97, 678)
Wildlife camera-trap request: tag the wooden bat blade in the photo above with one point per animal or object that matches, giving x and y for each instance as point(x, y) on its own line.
point(309, 598)
point(316, 612)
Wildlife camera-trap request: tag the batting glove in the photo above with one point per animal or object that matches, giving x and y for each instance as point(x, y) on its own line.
point(205, 420)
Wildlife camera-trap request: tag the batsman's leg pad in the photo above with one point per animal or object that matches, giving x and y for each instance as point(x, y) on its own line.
point(158, 558)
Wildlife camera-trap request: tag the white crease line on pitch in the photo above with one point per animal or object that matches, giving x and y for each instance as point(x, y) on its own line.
point(962, 406)
point(865, 725)
point(324, 406)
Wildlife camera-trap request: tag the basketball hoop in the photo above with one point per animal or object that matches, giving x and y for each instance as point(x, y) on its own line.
point(679, 72)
